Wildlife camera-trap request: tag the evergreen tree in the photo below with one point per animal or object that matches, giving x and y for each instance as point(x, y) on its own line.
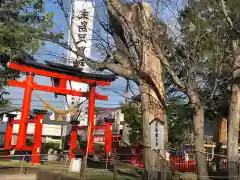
point(22, 23)
point(206, 54)
point(179, 117)
point(133, 117)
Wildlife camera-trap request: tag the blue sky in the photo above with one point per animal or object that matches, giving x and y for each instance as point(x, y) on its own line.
point(53, 52)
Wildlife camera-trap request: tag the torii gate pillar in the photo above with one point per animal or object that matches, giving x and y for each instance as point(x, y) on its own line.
point(22, 134)
point(36, 149)
point(91, 109)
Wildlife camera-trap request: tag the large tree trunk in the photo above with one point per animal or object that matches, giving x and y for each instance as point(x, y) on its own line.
point(151, 159)
point(198, 124)
point(165, 131)
point(233, 120)
point(152, 108)
point(150, 156)
point(233, 132)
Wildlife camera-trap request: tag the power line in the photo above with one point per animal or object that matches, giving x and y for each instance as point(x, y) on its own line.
point(103, 88)
point(85, 104)
point(15, 104)
point(19, 93)
point(33, 100)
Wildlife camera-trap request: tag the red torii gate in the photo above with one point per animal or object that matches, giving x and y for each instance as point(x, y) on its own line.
point(63, 73)
point(35, 148)
point(108, 137)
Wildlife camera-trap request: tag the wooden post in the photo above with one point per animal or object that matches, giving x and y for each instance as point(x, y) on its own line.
point(115, 166)
point(91, 113)
point(233, 119)
point(73, 142)
point(108, 137)
point(9, 130)
point(22, 133)
point(37, 138)
point(83, 167)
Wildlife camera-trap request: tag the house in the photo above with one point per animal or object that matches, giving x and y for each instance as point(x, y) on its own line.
point(7, 109)
point(2, 133)
point(3, 120)
point(52, 130)
point(114, 113)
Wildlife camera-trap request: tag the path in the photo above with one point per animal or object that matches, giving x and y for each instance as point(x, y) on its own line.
point(18, 177)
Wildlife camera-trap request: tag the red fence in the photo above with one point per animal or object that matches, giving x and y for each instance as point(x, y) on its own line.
point(181, 162)
point(177, 162)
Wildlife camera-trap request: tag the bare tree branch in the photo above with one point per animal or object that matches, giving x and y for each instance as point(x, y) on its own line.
point(113, 67)
point(118, 12)
point(171, 72)
point(50, 38)
point(224, 9)
point(69, 24)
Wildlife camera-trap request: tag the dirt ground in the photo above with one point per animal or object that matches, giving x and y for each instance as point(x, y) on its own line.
point(18, 177)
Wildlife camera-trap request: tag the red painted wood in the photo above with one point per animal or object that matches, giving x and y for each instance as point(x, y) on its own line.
point(95, 127)
point(37, 138)
point(63, 83)
point(27, 148)
point(8, 135)
point(73, 142)
point(108, 137)
point(55, 89)
point(22, 133)
point(23, 68)
point(91, 110)
point(18, 121)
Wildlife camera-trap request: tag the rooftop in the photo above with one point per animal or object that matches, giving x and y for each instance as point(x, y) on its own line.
point(8, 109)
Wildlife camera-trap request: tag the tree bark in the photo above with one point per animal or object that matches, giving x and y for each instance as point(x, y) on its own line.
point(165, 131)
point(198, 125)
point(150, 156)
point(233, 120)
point(233, 132)
point(151, 109)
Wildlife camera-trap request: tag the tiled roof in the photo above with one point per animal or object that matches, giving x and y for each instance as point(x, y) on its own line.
point(8, 109)
point(101, 109)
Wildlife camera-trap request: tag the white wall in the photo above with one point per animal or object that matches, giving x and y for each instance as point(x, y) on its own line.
point(5, 118)
point(119, 117)
point(116, 114)
point(48, 129)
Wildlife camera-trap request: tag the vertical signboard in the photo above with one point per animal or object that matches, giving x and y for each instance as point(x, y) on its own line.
point(157, 135)
point(82, 27)
point(82, 13)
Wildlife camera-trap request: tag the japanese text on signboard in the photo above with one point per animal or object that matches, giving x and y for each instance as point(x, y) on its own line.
point(83, 16)
point(99, 139)
point(157, 135)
